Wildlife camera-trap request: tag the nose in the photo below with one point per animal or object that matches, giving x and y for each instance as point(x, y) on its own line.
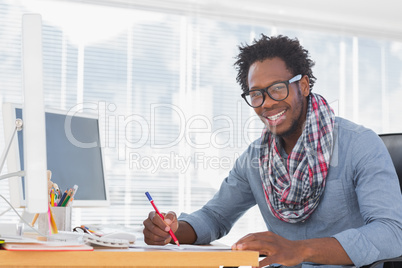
point(268, 101)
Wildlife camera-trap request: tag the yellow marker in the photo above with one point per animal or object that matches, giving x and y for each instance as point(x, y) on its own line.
point(52, 198)
point(53, 225)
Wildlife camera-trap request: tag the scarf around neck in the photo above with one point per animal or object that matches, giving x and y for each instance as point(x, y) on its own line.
point(293, 189)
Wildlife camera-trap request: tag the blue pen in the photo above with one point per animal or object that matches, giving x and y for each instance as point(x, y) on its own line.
point(62, 199)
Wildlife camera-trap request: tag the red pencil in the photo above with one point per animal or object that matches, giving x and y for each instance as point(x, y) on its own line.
point(163, 218)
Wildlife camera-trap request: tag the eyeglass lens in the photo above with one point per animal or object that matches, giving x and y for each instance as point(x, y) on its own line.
point(278, 91)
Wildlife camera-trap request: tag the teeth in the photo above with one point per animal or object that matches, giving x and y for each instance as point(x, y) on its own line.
point(274, 117)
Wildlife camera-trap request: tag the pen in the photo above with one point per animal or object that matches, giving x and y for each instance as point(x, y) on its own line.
point(65, 202)
point(34, 219)
point(52, 225)
point(52, 197)
point(75, 188)
point(89, 230)
point(62, 199)
point(49, 220)
point(163, 218)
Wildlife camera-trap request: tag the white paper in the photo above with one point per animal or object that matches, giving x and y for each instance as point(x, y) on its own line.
point(182, 247)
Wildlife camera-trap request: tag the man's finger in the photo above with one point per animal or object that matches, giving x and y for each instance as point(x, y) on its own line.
point(156, 225)
point(158, 221)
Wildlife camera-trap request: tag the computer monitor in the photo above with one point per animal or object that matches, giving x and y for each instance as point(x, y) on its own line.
point(74, 156)
point(34, 126)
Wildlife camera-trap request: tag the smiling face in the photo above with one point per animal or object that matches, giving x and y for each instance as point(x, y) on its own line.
point(283, 118)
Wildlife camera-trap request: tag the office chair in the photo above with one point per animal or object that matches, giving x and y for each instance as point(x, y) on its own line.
point(393, 142)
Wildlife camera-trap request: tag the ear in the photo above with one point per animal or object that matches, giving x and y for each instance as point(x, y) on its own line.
point(305, 85)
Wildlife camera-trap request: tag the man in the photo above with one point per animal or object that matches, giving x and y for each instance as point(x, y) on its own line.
point(326, 187)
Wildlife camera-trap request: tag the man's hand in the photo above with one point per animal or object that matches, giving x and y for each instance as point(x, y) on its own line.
point(289, 253)
point(276, 248)
point(156, 230)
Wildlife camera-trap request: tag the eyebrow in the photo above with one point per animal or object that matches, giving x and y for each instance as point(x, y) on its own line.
point(257, 88)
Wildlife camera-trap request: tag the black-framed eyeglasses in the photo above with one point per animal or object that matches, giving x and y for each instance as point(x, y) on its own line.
point(277, 91)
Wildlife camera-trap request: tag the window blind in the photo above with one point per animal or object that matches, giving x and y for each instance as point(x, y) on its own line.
point(163, 84)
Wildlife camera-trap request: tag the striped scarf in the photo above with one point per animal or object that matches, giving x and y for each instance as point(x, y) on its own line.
point(293, 191)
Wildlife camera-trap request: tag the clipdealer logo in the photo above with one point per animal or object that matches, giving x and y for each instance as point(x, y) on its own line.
point(116, 132)
point(136, 138)
point(115, 128)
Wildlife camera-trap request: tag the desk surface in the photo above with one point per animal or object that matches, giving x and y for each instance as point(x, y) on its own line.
point(128, 258)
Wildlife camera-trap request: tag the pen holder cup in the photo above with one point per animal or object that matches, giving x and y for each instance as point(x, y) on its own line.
point(61, 216)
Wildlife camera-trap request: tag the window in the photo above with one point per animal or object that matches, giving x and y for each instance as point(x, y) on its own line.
point(165, 88)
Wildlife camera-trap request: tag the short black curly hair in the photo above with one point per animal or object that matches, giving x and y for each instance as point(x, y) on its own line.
point(289, 50)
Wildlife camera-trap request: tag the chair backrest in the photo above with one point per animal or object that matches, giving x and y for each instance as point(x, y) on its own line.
point(393, 142)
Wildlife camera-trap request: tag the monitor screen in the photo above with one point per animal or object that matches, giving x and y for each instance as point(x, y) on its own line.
point(74, 155)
